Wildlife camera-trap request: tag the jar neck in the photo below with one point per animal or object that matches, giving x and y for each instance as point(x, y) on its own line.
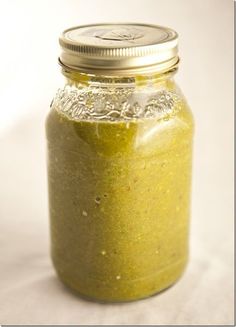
point(79, 79)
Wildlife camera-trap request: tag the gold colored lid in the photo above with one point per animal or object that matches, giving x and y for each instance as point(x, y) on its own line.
point(119, 49)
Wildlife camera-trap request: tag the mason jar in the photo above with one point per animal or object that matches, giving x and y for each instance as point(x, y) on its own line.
point(119, 137)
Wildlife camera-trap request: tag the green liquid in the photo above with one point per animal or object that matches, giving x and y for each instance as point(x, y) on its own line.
point(119, 196)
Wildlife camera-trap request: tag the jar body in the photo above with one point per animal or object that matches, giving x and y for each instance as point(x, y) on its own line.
point(119, 189)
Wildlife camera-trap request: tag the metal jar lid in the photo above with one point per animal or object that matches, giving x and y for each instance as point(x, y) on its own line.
point(119, 49)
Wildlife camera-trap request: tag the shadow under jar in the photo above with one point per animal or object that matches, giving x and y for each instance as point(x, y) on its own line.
point(119, 138)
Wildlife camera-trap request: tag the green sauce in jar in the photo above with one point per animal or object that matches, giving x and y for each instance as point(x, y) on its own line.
point(119, 190)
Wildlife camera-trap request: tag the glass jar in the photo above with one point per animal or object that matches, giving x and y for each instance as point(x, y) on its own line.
point(119, 163)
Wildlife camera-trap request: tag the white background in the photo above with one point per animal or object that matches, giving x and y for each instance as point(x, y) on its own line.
point(29, 77)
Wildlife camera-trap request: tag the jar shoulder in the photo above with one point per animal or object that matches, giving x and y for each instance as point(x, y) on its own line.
point(108, 122)
point(119, 102)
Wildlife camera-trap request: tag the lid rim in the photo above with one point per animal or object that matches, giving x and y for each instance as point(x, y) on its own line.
point(144, 70)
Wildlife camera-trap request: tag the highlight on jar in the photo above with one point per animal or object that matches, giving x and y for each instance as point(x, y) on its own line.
point(119, 140)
